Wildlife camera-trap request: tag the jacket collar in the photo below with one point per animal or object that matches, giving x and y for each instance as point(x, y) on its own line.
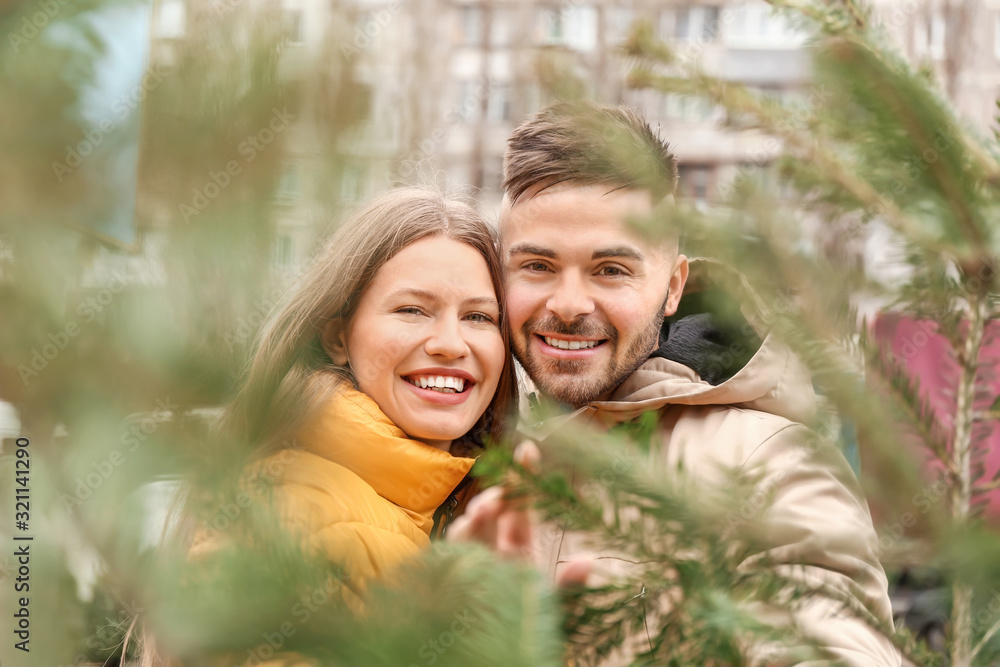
point(352, 431)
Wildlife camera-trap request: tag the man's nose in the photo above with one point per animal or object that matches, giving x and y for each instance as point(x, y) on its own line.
point(571, 299)
point(446, 339)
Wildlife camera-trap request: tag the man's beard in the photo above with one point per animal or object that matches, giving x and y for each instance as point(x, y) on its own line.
point(560, 379)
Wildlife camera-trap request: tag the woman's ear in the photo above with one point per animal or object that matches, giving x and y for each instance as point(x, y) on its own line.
point(334, 337)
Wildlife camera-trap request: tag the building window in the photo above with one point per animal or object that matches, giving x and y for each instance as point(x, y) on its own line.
point(288, 185)
point(283, 251)
point(761, 174)
point(170, 19)
point(500, 26)
point(919, 37)
point(937, 35)
point(756, 25)
point(498, 106)
point(620, 24)
point(554, 26)
point(689, 108)
point(682, 22)
point(470, 25)
point(667, 20)
point(929, 36)
point(573, 26)
point(699, 23)
point(695, 181)
point(467, 102)
point(581, 28)
point(294, 26)
point(996, 35)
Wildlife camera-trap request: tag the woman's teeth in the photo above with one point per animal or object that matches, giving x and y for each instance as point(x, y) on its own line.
point(442, 383)
point(571, 344)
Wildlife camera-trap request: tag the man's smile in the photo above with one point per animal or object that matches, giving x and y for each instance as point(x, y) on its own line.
point(561, 347)
point(568, 344)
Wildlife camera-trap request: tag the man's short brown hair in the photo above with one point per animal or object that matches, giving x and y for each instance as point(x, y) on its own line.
point(588, 143)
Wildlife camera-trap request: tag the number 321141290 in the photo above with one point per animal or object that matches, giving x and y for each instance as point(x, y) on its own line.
point(22, 491)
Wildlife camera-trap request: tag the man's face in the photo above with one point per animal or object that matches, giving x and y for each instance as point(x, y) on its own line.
point(587, 295)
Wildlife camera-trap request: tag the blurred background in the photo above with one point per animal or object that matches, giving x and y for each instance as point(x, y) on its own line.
point(168, 167)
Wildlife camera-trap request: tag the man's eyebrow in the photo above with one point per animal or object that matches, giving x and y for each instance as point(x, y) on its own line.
point(528, 249)
point(620, 252)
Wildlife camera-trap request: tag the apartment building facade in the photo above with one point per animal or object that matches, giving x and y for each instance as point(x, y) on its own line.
point(441, 84)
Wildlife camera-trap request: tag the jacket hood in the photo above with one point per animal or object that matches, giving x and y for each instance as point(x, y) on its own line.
point(353, 432)
point(717, 350)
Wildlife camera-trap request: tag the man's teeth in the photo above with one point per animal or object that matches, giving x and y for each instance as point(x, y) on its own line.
point(571, 344)
point(446, 384)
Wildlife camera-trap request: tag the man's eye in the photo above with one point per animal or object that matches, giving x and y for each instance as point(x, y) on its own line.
point(612, 271)
point(536, 266)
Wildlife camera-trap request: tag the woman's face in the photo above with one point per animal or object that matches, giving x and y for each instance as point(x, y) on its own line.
point(425, 340)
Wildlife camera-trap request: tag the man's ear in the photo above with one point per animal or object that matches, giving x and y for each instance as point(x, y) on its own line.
point(334, 338)
point(677, 280)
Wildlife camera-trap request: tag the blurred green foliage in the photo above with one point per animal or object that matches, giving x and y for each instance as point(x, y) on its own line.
point(111, 369)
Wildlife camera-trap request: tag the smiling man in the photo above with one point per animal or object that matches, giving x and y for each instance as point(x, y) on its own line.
point(593, 307)
point(588, 298)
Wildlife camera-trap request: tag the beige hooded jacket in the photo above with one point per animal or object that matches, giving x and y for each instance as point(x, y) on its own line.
point(818, 519)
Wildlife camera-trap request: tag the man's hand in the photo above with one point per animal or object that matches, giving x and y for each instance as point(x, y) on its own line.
point(494, 518)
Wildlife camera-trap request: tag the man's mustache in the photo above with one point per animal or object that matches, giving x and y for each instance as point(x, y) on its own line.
point(583, 328)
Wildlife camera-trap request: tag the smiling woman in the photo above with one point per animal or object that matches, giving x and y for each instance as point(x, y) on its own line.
point(374, 385)
point(388, 357)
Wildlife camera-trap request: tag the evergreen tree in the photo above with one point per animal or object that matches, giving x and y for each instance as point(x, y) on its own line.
point(875, 144)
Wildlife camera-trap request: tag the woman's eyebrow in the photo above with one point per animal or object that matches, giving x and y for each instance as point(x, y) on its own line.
point(415, 292)
point(428, 295)
point(482, 300)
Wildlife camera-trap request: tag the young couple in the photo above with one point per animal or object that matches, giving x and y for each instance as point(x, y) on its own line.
point(390, 368)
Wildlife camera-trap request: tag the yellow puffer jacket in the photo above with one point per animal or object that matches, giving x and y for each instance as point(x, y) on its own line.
point(360, 490)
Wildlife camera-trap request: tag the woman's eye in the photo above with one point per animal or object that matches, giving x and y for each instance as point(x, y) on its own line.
point(409, 310)
point(482, 317)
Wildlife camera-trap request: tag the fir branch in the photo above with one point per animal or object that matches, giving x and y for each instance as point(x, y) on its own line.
point(859, 21)
point(986, 487)
point(701, 578)
point(807, 146)
point(830, 21)
point(906, 114)
point(984, 640)
point(904, 392)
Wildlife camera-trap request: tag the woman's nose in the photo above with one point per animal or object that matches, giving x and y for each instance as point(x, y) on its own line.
point(446, 339)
